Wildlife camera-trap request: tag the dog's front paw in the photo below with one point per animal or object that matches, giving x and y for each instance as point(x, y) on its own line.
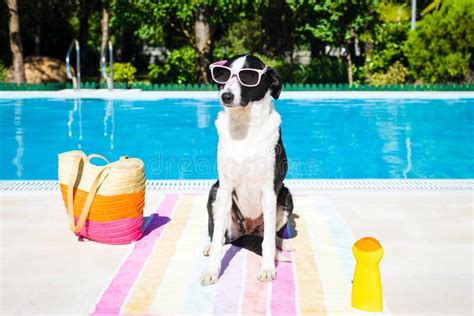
point(209, 277)
point(267, 275)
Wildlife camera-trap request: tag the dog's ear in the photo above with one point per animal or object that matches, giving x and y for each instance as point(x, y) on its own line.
point(275, 82)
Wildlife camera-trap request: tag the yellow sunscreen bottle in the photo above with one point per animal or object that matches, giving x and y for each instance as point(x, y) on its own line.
point(367, 286)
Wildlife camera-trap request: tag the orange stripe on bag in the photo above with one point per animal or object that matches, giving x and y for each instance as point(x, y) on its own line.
point(108, 208)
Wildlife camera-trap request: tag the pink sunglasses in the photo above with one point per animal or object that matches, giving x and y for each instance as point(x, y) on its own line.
point(248, 77)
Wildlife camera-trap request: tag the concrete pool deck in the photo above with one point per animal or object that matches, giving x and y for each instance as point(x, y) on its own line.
point(427, 235)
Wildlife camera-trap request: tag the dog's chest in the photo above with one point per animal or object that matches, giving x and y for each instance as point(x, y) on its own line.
point(247, 153)
point(247, 162)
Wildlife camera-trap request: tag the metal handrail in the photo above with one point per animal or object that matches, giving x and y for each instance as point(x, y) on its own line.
point(76, 81)
point(103, 65)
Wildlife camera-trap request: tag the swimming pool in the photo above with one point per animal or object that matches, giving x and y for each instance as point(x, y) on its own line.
point(176, 138)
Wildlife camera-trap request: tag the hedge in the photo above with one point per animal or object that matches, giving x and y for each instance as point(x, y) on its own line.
point(203, 87)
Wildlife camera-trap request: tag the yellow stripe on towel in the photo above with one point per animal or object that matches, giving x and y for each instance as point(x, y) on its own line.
point(309, 289)
point(337, 289)
point(170, 296)
point(152, 275)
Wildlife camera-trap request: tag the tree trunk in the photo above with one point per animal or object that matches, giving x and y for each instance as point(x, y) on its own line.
point(349, 65)
point(15, 42)
point(367, 48)
point(37, 36)
point(105, 26)
point(350, 56)
point(202, 43)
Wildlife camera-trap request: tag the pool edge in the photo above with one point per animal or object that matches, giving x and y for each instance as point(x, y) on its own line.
point(294, 184)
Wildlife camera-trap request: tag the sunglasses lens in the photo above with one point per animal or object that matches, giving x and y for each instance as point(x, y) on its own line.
point(220, 74)
point(249, 77)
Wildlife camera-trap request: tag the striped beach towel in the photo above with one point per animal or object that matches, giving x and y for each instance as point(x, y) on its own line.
point(161, 273)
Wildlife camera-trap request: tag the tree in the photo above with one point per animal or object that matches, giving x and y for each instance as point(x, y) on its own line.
point(337, 23)
point(128, 27)
point(440, 48)
point(202, 41)
point(192, 22)
point(15, 42)
point(104, 25)
point(277, 15)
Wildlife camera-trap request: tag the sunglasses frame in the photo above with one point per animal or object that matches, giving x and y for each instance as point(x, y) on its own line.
point(236, 73)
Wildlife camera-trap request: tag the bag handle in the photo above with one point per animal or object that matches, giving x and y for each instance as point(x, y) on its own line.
point(90, 196)
point(91, 156)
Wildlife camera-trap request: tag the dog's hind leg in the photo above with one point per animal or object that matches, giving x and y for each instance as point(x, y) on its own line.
point(210, 223)
point(284, 211)
point(232, 230)
point(284, 244)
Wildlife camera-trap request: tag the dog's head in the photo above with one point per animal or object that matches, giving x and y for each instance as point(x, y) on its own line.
point(239, 84)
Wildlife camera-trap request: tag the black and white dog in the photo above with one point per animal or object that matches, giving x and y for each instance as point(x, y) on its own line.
point(249, 197)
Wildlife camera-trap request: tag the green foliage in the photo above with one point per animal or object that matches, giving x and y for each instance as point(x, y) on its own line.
point(334, 21)
point(240, 38)
point(337, 22)
point(179, 67)
point(396, 74)
point(387, 48)
point(439, 49)
point(323, 69)
point(137, 18)
point(391, 11)
point(124, 72)
point(95, 32)
point(153, 18)
point(3, 71)
point(433, 6)
point(276, 63)
point(156, 73)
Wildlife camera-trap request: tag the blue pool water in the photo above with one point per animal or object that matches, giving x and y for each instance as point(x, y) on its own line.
point(177, 139)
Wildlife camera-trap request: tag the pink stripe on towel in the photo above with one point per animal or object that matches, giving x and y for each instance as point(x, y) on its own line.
point(283, 290)
point(115, 295)
point(254, 300)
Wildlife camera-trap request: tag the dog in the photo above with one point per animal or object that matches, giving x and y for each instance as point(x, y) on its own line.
point(249, 197)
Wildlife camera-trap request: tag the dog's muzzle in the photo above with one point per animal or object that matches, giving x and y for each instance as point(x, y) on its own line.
point(227, 97)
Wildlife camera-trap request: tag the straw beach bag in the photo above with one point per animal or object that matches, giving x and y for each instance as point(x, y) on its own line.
point(104, 203)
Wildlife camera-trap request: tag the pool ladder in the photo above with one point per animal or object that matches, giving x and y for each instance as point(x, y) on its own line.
point(76, 81)
point(103, 64)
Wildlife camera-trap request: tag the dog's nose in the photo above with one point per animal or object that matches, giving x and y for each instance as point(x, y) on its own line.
point(227, 97)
